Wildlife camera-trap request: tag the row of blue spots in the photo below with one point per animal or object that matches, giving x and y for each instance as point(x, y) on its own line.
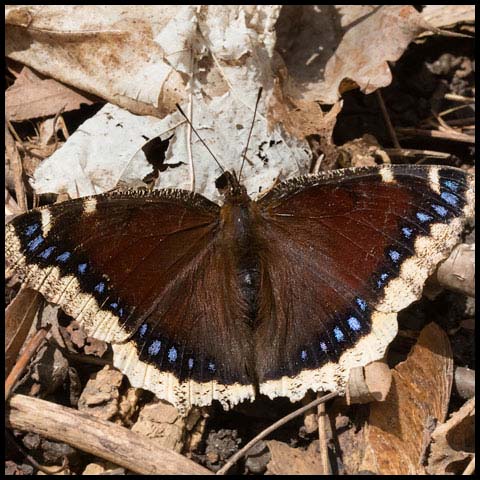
point(63, 258)
point(353, 323)
point(423, 217)
point(172, 355)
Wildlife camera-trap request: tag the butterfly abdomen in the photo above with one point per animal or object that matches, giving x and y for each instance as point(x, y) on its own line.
point(239, 230)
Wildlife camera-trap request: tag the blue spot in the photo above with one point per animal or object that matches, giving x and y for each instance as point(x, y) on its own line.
point(323, 346)
point(211, 367)
point(47, 252)
point(64, 257)
point(114, 305)
point(31, 229)
point(172, 355)
point(82, 268)
point(190, 363)
point(33, 244)
point(143, 330)
point(338, 334)
point(354, 324)
point(154, 347)
point(100, 288)
point(381, 282)
point(361, 303)
point(394, 255)
point(304, 355)
point(120, 312)
point(423, 217)
point(407, 232)
point(451, 185)
point(442, 211)
point(450, 198)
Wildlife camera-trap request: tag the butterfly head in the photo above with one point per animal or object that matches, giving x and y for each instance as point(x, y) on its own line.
point(229, 186)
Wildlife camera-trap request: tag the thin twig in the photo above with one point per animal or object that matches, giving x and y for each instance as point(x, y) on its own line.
point(322, 440)
point(189, 129)
point(455, 136)
point(459, 98)
point(470, 467)
point(411, 152)
point(32, 461)
point(237, 456)
point(24, 359)
point(386, 116)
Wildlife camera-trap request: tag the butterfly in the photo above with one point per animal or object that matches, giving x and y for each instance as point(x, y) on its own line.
point(276, 295)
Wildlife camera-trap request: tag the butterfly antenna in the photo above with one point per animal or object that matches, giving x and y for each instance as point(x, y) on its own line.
point(250, 134)
point(199, 137)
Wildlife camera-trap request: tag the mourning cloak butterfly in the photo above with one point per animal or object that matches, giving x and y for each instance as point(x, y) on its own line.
point(277, 296)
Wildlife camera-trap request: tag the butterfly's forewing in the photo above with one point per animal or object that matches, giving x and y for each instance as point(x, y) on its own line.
point(344, 252)
point(150, 273)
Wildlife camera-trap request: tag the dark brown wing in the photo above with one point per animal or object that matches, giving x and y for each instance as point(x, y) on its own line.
point(345, 251)
point(148, 272)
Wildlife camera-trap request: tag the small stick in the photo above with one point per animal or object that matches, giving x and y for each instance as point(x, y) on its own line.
point(34, 463)
point(470, 467)
point(237, 456)
point(386, 116)
point(189, 131)
point(458, 137)
point(322, 440)
point(25, 357)
point(459, 98)
point(412, 152)
point(101, 438)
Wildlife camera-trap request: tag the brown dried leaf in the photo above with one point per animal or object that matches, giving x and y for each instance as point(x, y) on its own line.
point(446, 15)
point(453, 442)
point(32, 96)
point(305, 119)
point(329, 49)
point(286, 460)
point(399, 428)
